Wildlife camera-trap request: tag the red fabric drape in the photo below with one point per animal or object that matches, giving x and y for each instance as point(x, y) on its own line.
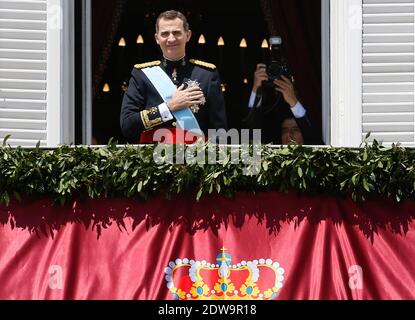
point(329, 248)
point(299, 24)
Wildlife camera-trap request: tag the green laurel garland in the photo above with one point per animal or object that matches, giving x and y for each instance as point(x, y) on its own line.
point(81, 172)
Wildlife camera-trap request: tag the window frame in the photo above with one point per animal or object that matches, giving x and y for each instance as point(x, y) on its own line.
point(341, 64)
point(346, 71)
point(60, 72)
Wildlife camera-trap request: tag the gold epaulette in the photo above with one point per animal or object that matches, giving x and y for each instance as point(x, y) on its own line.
point(203, 64)
point(148, 64)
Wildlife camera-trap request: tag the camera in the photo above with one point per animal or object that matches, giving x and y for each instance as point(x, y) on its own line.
point(277, 67)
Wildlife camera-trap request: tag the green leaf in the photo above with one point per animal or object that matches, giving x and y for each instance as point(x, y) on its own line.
point(398, 198)
point(199, 194)
point(218, 187)
point(5, 198)
point(17, 196)
point(124, 176)
point(5, 140)
point(85, 172)
point(226, 161)
point(216, 175)
point(226, 181)
point(366, 185)
point(135, 173)
point(140, 186)
point(354, 179)
point(300, 172)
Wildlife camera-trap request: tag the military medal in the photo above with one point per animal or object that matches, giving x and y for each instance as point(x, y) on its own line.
point(174, 74)
point(194, 84)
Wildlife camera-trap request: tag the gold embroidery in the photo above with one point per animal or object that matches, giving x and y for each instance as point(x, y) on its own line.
point(147, 64)
point(183, 62)
point(148, 119)
point(203, 64)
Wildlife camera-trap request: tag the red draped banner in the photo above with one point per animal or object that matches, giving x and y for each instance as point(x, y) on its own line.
point(258, 247)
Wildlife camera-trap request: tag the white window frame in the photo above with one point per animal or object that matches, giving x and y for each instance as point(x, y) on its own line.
point(325, 70)
point(60, 72)
point(87, 121)
point(346, 20)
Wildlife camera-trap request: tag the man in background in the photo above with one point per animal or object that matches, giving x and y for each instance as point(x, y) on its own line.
point(280, 114)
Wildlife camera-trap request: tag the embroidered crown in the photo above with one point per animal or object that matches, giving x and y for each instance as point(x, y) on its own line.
point(248, 280)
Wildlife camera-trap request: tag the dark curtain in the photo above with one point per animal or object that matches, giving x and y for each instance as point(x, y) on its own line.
point(298, 22)
point(105, 23)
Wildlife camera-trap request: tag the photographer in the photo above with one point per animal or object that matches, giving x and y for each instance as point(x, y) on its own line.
point(283, 86)
point(273, 104)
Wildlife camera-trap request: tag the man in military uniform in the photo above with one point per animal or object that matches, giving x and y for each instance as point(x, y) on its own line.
point(190, 98)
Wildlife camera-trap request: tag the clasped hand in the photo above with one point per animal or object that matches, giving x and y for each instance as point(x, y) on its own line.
point(185, 98)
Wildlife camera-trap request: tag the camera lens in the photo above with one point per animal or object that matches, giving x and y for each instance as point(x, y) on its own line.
point(274, 71)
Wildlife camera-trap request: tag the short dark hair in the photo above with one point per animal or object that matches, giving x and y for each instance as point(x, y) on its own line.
point(171, 15)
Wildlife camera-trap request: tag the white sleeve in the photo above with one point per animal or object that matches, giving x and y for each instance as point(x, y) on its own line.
point(252, 100)
point(298, 110)
point(165, 112)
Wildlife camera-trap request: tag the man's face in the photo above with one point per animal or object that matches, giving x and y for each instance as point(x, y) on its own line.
point(291, 133)
point(172, 38)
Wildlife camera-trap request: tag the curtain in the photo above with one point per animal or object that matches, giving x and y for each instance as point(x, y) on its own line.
point(105, 23)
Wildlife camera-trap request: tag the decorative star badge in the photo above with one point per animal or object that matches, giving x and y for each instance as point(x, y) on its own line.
point(194, 84)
